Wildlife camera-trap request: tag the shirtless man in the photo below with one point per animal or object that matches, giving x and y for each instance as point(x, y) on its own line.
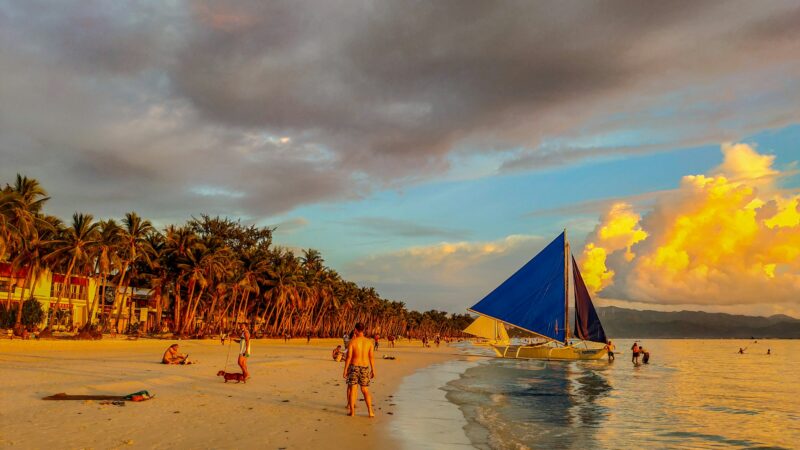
point(359, 368)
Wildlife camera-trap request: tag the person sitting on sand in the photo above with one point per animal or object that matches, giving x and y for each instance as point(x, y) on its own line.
point(337, 353)
point(173, 356)
point(359, 369)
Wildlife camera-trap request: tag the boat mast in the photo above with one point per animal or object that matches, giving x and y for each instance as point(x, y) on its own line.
point(566, 288)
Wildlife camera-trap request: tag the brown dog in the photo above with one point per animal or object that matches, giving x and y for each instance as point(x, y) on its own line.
point(232, 376)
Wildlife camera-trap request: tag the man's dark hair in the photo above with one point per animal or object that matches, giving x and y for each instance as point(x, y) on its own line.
point(359, 327)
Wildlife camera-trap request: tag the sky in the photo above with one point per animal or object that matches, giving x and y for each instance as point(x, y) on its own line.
point(429, 149)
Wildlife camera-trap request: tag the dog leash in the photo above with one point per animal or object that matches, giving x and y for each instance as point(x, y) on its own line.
point(230, 341)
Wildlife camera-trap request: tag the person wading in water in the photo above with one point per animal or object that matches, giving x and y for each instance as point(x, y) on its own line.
point(610, 348)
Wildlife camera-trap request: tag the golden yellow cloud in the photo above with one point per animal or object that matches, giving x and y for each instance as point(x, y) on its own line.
point(619, 229)
point(727, 238)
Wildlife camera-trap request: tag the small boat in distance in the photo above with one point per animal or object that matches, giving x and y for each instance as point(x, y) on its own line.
point(492, 330)
point(536, 299)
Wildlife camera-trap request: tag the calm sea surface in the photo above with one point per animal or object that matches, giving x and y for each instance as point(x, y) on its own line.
point(693, 394)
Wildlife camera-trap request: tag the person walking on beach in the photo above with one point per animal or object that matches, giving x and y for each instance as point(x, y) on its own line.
point(308, 337)
point(377, 341)
point(359, 369)
point(244, 349)
point(610, 348)
point(390, 338)
point(635, 353)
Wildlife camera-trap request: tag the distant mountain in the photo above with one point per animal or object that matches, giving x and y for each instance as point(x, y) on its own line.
point(630, 323)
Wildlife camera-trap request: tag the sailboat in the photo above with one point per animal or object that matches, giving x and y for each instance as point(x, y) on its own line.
point(492, 330)
point(536, 299)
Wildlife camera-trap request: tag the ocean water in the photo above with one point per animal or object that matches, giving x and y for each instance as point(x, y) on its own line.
point(693, 394)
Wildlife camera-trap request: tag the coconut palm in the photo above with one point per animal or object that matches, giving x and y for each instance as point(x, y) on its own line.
point(216, 270)
point(35, 251)
point(75, 246)
point(106, 260)
point(133, 246)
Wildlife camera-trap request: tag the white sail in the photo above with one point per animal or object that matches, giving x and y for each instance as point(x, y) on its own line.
point(489, 329)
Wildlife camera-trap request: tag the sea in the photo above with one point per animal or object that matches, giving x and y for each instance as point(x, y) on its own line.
point(694, 394)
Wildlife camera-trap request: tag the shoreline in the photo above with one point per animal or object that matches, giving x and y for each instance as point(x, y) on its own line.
point(294, 399)
point(428, 419)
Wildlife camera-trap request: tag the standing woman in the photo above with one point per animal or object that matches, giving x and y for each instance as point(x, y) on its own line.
point(244, 349)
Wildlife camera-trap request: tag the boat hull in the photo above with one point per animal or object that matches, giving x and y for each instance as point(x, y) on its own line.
point(547, 352)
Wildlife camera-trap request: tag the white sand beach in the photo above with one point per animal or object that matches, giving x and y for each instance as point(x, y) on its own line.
point(295, 398)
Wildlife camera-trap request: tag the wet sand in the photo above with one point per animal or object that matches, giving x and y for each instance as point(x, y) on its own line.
point(294, 399)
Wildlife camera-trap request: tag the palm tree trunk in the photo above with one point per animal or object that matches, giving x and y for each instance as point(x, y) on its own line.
point(177, 312)
point(119, 300)
point(194, 310)
point(159, 303)
point(61, 291)
point(11, 285)
point(28, 279)
point(97, 296)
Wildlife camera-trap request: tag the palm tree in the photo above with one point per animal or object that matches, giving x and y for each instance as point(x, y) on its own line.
point(133, 246)
point(180, 242)
point(220, 268)
point(21, 222)
point(76, 245)
point(106, 260)
point(285, 279)
point(33, 255)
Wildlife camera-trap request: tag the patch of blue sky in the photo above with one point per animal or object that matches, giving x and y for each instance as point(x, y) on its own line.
point(493, 207)
point(784, 143)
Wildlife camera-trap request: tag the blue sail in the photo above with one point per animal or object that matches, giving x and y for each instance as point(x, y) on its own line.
point(534, 297)
point(587, 323)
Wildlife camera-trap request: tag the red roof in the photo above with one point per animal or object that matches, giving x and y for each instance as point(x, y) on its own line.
point(5, 271)
point(75, 281)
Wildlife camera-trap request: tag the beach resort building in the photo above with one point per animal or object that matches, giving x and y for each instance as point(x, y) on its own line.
point(72, 307)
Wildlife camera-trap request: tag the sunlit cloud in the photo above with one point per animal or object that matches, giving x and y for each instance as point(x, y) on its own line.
point(728, 238)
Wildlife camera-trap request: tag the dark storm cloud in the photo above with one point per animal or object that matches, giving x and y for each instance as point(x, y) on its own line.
point(187, 104)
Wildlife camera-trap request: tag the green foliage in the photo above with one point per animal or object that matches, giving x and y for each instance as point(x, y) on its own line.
point(32, 313)
point(202, 277)
point(7, 316)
